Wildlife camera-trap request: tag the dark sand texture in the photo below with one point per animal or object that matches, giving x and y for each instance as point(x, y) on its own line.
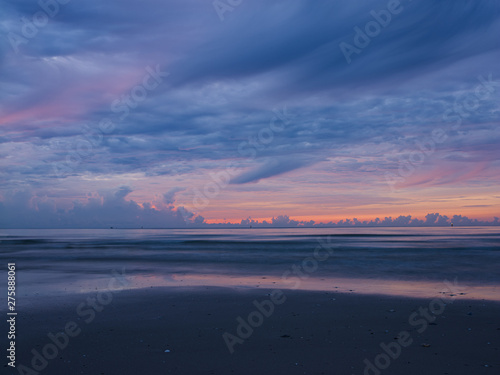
point(310, 333)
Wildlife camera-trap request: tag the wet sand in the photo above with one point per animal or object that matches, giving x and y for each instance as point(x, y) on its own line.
point(180, 331)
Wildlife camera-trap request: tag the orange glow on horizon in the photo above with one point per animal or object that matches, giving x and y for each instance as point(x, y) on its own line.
point(336, 219)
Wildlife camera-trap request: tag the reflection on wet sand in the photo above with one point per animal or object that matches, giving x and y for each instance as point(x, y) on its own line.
point(415, 289)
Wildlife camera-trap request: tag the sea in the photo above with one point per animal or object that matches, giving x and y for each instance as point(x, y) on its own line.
point(416, 262)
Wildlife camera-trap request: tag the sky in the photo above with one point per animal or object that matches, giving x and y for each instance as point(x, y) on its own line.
point(194, 112)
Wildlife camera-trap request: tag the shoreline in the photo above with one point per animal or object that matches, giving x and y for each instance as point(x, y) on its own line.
point(423, 289)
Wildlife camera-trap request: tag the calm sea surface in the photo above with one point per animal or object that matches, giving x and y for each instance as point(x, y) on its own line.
point(64, 261)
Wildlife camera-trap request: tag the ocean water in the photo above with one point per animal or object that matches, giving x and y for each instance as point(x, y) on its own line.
point(364, 260)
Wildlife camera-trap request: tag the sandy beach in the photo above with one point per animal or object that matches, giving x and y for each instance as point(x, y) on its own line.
point(181, 331)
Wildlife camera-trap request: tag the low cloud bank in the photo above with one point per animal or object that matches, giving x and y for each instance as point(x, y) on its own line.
point(22, 209)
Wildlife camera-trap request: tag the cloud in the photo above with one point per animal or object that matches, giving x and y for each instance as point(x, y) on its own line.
point(355, 122)
point(169, 196)
point(431, 220)
point(273, 167)
point(22, 209)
